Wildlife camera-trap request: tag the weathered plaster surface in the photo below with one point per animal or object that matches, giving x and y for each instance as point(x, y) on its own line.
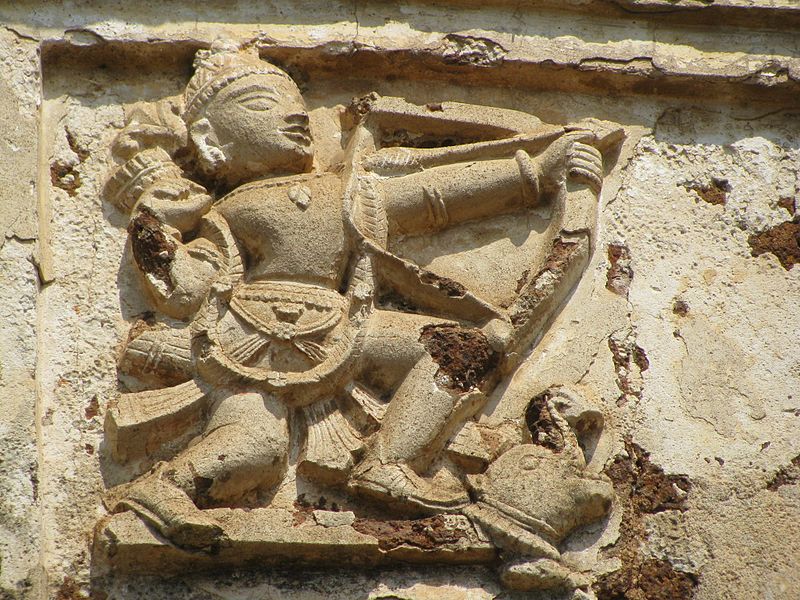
point(19, 456)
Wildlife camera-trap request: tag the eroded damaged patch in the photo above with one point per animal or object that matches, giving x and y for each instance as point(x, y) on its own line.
point(145, 322)
point(448, 286)
point(360, 106)
point(620, 272)
point(92, 408)
point(69, 590)
point(64, 174)
point(680, 308)
point(786, 475)
point(643, 488)
point(471, 50)
point(630, 361)
point(783, 241)
point(715, 192)
point(428, 534)
point(152, 248)
point(788, 204)
point(303, 509)
point(543, 427)
point(464, 356)
point(532, 293)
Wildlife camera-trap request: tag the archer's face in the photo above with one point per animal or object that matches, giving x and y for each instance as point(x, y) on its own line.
point(260, 125)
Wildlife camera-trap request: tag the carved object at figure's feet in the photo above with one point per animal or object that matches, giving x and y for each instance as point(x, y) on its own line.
point(541, 574)
point(400, 485)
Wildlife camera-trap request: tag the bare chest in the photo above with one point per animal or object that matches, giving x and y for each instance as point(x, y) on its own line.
point(290, 228)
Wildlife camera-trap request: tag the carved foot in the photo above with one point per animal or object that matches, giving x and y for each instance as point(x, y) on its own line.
point(172, 513)
point(402, 487)
point(542, 574)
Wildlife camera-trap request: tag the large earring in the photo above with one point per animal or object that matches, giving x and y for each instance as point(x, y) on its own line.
point(211, 155)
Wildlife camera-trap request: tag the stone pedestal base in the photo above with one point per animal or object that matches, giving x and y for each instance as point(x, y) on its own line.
point(271, 537)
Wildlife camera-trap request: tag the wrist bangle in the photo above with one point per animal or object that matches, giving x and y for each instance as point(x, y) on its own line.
point(530, 178)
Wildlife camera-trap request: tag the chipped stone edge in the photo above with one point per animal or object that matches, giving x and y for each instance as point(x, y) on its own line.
point(484, 61)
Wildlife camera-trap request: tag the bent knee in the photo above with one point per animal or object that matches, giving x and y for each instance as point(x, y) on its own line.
point(246, 457)
point(246, 444)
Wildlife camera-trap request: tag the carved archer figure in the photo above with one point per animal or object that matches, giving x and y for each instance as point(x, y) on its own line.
point(274, 288)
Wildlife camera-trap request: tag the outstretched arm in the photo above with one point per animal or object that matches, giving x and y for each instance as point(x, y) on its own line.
point(445, 195)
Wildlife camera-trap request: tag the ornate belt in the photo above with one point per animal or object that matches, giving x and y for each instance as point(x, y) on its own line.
point(288, 311)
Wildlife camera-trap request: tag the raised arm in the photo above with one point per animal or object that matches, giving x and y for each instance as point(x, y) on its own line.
point(164, 207)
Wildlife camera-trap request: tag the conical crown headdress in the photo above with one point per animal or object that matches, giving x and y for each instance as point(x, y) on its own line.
point(217, 68)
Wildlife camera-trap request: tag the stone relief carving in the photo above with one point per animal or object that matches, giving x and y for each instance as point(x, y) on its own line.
point(291, 336)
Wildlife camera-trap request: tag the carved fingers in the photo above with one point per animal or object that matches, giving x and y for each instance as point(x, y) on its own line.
point(571, 156)
point(585, 165)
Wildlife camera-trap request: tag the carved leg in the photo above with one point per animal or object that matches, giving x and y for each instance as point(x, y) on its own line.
point(244, 447)
point(422, 414)
point(420, 418)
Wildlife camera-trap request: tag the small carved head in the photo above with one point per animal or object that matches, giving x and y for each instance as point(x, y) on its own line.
point(541, 485)
point(246, 117)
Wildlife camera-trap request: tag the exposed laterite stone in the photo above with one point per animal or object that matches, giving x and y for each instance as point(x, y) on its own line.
point(145, 322)
point(559, 256)
point(715, 192)
point(152, 248)
point(544, 430)
point(620, 273)
point(427, 534)
point(450, 287)
point(680, 308)
point(92, 408)
point(65, 177)
point(464, 355)
point(523, 279)
point(69, 590)
point(643, 488)
point(532, 292)
point(303, 509)
point(789, 204)
point(786, 475)
point(359, 107)
point(625, 353)
point(783, 241)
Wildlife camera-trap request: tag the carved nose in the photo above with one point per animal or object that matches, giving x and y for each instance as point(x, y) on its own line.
point(288, 313)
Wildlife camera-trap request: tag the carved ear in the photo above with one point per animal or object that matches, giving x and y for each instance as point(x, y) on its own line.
point(209, 152)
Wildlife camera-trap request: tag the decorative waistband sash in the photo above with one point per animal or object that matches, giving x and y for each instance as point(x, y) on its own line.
point(287, 310)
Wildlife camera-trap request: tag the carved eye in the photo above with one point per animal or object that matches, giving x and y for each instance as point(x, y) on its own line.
point(257, 102)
